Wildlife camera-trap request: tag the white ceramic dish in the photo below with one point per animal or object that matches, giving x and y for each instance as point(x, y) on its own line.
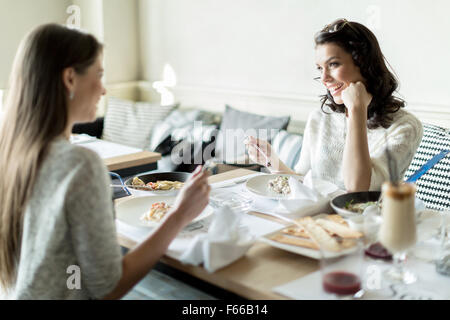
point(130, 211)
point(259, 186)
point(310, 253)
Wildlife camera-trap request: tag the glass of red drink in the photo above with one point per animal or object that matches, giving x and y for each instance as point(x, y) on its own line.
point(342, 272)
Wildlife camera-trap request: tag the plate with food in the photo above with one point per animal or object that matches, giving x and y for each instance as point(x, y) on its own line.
point(272, 186)
point(330, 231)
point(149, 211)
point(353, 204)
point(158, 183)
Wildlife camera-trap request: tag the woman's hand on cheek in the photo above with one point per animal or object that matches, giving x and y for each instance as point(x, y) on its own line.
point(356, 98)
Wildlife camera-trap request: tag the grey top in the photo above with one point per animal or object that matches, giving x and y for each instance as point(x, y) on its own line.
point(69, 243)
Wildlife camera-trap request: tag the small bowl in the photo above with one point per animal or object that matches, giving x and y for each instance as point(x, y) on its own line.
point(338, 204)
point(153, 177)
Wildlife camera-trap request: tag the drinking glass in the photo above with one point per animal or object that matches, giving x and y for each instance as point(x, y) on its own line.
point(443, 260)
point(342, 272)
point(398, 228)
point(371, 226)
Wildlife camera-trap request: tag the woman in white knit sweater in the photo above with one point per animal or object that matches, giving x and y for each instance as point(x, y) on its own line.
point(344, 141)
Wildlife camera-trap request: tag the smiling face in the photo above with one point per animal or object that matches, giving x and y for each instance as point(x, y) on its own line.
point(337, 69)
point(88, 91)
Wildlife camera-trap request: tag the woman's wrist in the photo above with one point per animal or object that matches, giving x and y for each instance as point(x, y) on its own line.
point(176, 219)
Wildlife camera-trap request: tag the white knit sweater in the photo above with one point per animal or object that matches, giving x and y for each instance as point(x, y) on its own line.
point(324, 140)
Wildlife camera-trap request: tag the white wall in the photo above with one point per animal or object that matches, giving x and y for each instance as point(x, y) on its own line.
point(114, 22)
point(17, 18)
point(259, 54)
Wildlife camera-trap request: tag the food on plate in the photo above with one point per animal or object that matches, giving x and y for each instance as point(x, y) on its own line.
point(280, 185)
point(338, 229)
point(331, 232)
point(337, 218)
point(295, 241)
point(158, 185)
point(319, 235)
point(358, 207)
point(157, 211)
point(296, 231)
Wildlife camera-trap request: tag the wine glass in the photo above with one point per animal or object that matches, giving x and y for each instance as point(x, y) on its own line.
point(342, 272)
point(398, 228)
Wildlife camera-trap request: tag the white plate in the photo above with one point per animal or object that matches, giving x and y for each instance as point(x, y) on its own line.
point(311, 253)
point(130, 211)
point(259, 186)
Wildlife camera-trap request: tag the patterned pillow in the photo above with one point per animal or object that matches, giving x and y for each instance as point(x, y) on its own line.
point(288, 147)
point(131, 123)
point(433, 188)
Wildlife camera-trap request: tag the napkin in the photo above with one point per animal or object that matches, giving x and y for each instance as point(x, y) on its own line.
point(310, 197)
point(225, 242)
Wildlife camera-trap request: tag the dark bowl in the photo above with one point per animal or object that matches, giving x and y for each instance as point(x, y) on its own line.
point(338, 203)
point(157, 176)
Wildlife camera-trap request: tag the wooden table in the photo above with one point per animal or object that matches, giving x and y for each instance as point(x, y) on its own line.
point(131, 164)
point(124, 160)
point(254, 275)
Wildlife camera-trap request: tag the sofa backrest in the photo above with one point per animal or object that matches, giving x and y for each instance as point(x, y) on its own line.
point(433, 188)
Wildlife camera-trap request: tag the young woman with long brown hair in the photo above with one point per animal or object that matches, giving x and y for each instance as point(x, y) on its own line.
point(344, 142)
point(55, 201)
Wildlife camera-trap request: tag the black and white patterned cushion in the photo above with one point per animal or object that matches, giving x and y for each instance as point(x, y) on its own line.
point(433, 188)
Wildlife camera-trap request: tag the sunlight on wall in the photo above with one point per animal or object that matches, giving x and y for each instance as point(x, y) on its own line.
point(169, 81)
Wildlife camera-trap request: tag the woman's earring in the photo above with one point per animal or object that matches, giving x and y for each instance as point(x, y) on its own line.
point(71, 95)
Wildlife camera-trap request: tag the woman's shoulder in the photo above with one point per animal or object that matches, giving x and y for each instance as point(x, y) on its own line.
point(404, 118)
point(69, 155)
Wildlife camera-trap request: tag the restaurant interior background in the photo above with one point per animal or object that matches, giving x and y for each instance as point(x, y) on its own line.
point(256, 55)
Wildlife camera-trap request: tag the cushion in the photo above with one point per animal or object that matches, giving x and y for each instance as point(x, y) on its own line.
point(433, 188)
point(179, 119)
point(131, 123)
point(288, 147)
point(237, 124)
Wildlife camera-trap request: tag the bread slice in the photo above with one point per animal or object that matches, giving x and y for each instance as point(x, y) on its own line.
point(295, 241)
point(295, 231)
point(339, 229)
point(337, 218)
point(321, 237)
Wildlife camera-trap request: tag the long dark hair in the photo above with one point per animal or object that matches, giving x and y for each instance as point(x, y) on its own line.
point(35, 114)
point(363, 46)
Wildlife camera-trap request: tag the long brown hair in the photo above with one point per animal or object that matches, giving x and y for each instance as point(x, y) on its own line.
point(363, 46)
point(35, 114)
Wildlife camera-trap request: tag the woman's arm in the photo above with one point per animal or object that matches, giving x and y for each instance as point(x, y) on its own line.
point(357, 166)
point(191, 201)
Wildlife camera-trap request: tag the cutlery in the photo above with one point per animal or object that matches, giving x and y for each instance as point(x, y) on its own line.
point(135, 187)
point(231, 184)
point(247, 138)
point(278, 216)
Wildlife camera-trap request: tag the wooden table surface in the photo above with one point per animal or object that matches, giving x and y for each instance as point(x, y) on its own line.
point(131, 160)
point(254, 275)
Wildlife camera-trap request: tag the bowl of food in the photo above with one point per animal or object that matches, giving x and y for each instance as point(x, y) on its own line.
point(352, 205)
point(158, 183)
